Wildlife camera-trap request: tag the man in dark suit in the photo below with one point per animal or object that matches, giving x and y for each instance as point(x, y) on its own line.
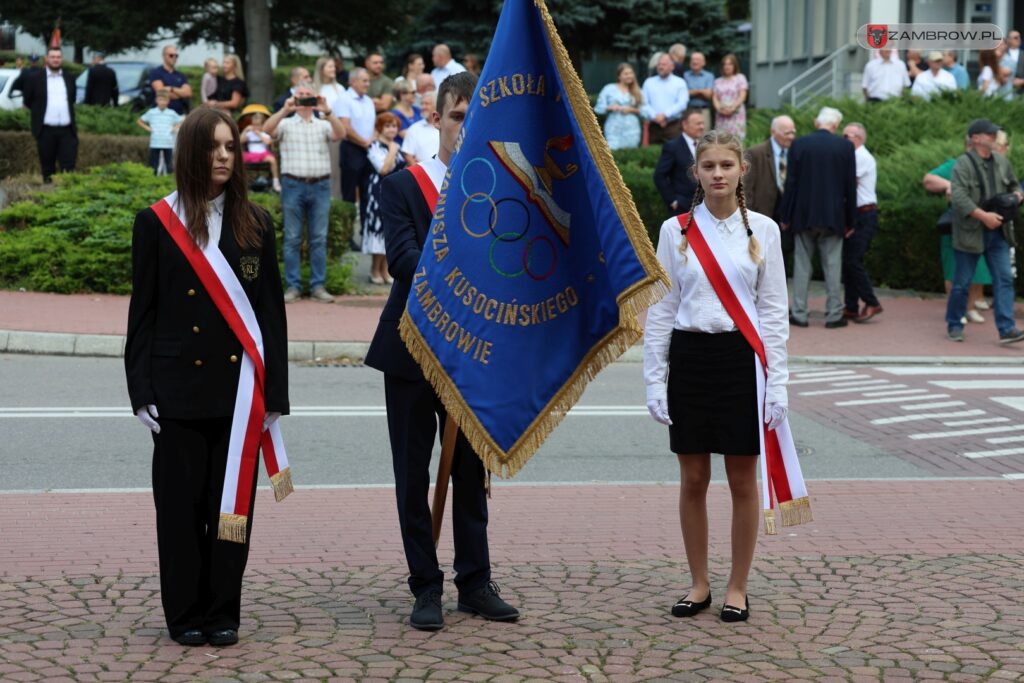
point(413, 407)
point(819, 204)
point(101, 83)
point(297, 75)
point(49, 94)
point(674, 175)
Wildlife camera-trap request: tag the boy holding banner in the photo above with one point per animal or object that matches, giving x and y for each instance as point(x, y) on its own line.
point(414, 408)
point(207, 369)
point(715, 368)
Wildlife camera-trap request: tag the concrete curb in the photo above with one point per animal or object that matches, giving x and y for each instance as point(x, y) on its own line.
point(112, 346)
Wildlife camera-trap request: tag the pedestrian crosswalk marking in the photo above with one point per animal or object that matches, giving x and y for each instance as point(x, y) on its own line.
point(986, 420)
point(979, 384)
point(853, 390)
point(994, 454)
point(909, 370)
point(894, 399)
point(926, 416)
point(809, 380)
point(929, 406)
point(965, 432)
point(1005, 439)
point(900, 392)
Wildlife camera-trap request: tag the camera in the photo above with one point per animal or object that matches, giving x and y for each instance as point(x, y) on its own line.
point(305, 101)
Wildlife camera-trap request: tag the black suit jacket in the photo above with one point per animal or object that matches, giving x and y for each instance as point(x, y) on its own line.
point(32, 83)
point(672, 175)
point(821, 184)
point(101, 86)
point(406, 220)
point(173, 323)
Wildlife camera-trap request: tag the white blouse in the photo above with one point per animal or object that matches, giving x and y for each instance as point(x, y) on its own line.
point(692, 304)
point(215, 218)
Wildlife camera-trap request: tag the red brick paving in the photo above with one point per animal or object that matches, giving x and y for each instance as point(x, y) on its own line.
point(893, 580)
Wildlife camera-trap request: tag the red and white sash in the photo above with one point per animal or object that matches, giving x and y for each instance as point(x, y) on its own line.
point(429, 177)
point(247, 435)
point(780, 467)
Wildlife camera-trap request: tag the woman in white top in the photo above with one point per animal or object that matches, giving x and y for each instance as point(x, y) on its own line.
point(325, 84)
point(700, 371)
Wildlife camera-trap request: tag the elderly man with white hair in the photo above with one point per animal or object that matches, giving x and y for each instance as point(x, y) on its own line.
point(819, 202)
point(769, 164)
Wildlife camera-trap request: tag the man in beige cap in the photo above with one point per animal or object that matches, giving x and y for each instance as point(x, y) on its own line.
point(933, 80)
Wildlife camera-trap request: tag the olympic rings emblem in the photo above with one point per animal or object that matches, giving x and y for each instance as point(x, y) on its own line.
point(477, 231)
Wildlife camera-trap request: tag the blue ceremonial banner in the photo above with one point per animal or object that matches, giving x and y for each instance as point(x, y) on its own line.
point(537, 263)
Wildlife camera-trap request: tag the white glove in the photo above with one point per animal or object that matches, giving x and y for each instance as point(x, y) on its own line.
point(270, 419)
point(658, 408)
point(774, 414)
point(147, 415)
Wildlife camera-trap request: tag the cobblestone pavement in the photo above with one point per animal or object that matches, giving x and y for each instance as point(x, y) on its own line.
point(894, 581)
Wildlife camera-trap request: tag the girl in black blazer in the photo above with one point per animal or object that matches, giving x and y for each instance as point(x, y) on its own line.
point(182, 363)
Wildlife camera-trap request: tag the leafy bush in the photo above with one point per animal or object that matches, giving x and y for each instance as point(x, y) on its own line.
point(18, 153)
point(77, 237)
point(88, 119)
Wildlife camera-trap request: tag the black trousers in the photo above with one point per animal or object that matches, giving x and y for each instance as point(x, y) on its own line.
point(156, 153)
point(855, 275)
point(200, 577)
point(355, 174)
point(414, 413)
point(57, 144)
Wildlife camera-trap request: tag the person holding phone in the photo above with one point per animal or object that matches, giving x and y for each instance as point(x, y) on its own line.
point(305, 142)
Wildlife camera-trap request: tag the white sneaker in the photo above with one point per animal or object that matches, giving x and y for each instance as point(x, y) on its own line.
point(322, 295)
point(277, 185)
point(975, 317)
point(963, 320)
point(291, 294)
point(981, 305)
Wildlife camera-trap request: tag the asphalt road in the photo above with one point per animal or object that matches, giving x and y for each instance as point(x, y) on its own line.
point(611, 439)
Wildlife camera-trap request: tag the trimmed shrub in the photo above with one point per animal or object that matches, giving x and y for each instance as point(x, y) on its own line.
point(77, 237)
point(88, 119)
point(18, 153)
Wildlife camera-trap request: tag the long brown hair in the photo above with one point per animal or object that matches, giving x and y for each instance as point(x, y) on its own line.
point(192, 171)
point(732, 59)
point(732, 143)
point(634, 88)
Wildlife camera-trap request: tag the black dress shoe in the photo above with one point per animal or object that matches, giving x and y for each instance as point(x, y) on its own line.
point(731, 614)
point(192, 638)
point(426, 613)
point(798, 323)
point(687, 608)
point(833, 324)
point(225, 636)
point(486, 602)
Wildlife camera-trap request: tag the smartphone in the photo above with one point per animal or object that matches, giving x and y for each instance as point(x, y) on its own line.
point(305, 101)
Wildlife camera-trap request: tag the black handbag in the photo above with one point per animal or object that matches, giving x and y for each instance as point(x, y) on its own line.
point(1005, 204)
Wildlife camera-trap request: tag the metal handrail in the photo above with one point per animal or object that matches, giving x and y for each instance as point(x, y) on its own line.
point(827, 62)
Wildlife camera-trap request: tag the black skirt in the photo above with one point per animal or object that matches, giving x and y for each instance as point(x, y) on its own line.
point(712, 394)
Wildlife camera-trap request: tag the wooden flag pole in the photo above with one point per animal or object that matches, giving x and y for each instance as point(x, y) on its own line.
point(444, 473)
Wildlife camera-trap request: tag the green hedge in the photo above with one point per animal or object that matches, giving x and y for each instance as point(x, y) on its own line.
point(77, 237)
point(88, 119)
point(908, 138)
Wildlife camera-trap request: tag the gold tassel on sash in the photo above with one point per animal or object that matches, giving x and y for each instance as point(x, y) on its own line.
point(282, 483)
point(232, 528)
point(796, 511)
point(769, 523)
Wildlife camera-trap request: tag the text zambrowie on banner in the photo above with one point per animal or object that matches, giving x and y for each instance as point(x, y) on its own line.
point(536, 264)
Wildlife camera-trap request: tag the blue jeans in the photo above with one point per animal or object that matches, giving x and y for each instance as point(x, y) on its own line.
point(312, 202)
point(997, 256)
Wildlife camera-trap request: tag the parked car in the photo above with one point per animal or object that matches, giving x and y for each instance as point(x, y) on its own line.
point(7, 99)
point(132, 83)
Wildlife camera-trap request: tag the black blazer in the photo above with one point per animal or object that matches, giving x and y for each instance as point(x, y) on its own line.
point(101, 86)
point(180, 353)
point(406, 219)
point(32, 84)
point(821, 184)
point(672, 175)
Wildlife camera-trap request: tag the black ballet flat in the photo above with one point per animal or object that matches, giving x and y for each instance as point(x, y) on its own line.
point(687, 608)
point(732, 614)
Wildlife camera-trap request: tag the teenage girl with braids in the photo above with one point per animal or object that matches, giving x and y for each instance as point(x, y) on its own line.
point(700, 370)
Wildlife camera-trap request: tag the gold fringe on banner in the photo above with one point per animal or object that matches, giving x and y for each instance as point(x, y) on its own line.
point(632, 301)
point(232, 527)
point(796, 511)
point(769, 523)
point(282, 484)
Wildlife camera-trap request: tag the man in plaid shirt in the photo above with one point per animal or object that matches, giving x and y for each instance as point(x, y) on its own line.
point(305, 142)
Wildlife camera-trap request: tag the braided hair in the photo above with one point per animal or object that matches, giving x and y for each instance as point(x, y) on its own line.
point(732, 142)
